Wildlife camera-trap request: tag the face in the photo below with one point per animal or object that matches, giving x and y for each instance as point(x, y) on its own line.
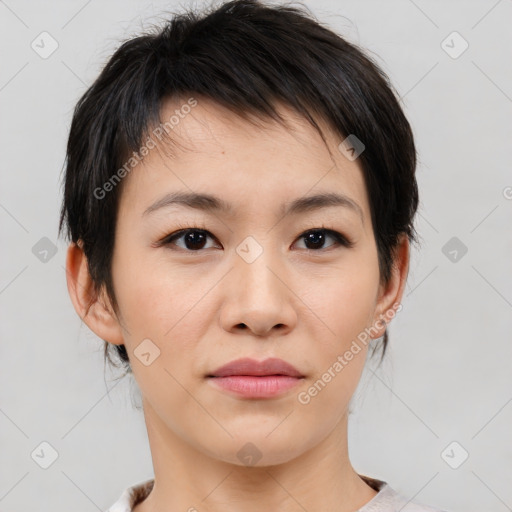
point(199, 287)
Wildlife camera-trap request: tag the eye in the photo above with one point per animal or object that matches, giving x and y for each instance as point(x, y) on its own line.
point(194, 239)
point(315, 238)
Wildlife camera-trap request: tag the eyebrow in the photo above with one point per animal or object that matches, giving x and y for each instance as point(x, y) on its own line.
point(211, 203)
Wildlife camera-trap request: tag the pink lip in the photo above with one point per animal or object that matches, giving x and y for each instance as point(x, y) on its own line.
point(247, 366)
point(254, 379)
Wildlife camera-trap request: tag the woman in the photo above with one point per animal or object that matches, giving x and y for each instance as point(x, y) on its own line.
point(239, 195)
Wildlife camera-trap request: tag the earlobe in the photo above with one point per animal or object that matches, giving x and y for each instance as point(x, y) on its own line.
point(390, 296)
point(93, 308)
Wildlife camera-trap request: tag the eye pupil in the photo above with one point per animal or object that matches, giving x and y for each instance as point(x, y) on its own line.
point(194, 238)
point(317, 238)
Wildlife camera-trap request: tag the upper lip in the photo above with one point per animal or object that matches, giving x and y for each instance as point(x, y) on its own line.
point(247, 366)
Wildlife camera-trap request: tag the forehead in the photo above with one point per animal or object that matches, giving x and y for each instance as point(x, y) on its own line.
point(216, 152)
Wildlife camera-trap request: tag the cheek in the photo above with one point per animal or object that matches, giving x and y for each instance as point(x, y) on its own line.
point(160, 306)
point(343, 298)
point(162, 303)
point(145, 290)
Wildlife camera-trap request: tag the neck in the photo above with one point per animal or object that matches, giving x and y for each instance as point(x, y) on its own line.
point(188, 479)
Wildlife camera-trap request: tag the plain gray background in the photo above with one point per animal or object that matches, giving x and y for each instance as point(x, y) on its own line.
point(447, 375)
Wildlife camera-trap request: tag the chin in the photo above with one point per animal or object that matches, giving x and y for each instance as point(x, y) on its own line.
point(259, 450)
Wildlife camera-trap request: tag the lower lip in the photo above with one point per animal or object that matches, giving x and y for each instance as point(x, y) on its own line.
point(256, 387)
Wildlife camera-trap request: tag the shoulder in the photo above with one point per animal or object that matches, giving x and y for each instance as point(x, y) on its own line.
point(388, 499)
point(132, 496)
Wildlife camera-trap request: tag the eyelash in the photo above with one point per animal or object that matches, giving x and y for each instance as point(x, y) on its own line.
point(338, 237)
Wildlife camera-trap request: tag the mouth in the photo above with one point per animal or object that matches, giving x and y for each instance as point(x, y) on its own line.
point(254, 379)
point(251, 367)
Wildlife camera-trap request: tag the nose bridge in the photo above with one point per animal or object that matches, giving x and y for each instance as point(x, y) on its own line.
point(259, 298)
point(256, 264)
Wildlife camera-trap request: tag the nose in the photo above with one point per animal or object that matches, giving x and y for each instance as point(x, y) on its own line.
point(259, 298)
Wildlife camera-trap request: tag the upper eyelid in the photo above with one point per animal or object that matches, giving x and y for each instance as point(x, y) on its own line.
point(180, 232)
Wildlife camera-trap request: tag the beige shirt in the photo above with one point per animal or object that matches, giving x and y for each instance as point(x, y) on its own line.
point(387, 499)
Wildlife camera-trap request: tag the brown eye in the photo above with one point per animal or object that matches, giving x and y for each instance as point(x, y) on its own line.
point(193, 239)
point(316, 239)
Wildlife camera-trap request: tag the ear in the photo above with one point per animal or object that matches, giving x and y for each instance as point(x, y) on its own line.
point(390, 294)
point(95, 310)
